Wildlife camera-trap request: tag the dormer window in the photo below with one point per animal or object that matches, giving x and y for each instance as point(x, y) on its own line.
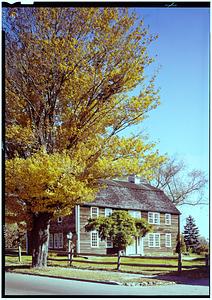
point(59, 220)
point(94, 212)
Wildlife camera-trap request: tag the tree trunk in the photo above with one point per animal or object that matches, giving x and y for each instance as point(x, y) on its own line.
point(40, 239)
point(119, 261)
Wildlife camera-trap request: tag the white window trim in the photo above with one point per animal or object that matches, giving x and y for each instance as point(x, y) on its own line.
point(111, 246)
point(51, 241)
point(97, 209)
point(168, 245)
point(60, 234)
point(150, 216)
point(169, 219)
point(132, 212)
point(108, 212)
point(150, 235)
point(57, 244)
point(154, 240)
point(153, 218)
point(96, 232)
point(157, 234)
point(56, 241)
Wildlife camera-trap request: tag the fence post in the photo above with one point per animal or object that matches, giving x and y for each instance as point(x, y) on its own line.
point(207, 260)
point(179, 247)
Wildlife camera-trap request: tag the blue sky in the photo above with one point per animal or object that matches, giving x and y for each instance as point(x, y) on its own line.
point(181, 123)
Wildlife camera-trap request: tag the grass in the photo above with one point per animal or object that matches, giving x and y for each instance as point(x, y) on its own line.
point(84, 263)
point(108, 273)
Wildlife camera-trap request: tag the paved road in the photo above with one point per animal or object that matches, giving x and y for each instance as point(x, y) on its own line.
point(19, 284)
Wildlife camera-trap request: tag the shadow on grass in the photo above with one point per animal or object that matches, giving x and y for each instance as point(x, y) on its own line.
point(198, 276)
point(16, 267)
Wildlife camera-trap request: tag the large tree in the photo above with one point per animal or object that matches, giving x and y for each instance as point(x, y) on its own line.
point(181, 185)
point(120, 228)
point(68, 75)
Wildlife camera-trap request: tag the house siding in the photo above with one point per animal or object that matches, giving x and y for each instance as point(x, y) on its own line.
point(162, 229)
point(67, 225)
point(85, 237)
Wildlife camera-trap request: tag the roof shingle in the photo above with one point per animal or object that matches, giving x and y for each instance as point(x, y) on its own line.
point(126, 195)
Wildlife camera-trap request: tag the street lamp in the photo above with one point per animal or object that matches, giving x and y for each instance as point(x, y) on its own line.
point(69, 235)
point(69, 238)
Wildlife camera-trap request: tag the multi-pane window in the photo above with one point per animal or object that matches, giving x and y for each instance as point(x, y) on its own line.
point(58, 240)
point(168, 219)
point(153, 218)
point(135, 213)
point(109, 243)
point(51, 241)
point(108, 212)
point(94, 239)
point(94, 212)
point(154, 239)
point(60, 237)
point(151, 240)
point(168, 240)
point(157, 239)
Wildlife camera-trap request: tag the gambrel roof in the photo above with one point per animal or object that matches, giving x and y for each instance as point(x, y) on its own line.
point(126, 195)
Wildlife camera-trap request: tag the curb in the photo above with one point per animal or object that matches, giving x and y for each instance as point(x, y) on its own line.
point(68, 278)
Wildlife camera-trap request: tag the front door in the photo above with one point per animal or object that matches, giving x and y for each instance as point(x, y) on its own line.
point(131, 249)
point(136, 248)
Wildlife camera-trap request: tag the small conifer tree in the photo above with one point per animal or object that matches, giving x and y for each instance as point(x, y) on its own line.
point(191, 235)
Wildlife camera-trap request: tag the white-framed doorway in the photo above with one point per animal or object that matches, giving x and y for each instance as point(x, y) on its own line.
point(136, 248)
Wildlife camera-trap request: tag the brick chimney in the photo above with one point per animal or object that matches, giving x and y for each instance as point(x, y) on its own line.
point(134, 179)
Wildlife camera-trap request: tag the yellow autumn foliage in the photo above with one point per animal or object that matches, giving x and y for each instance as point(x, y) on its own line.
point(68, 75)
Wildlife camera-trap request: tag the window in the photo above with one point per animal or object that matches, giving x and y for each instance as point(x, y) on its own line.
point(154, 239)
point(58, 240)
point(51, 241)
point(94, 212)
point(59, 220)
point(109, 243)
point(168, 219)
point(151, 240)
point(94, 239)
point(108, 212)
point(153, 218)
point(135, 213)
point(56, 244)
point(157, 239)
point(168, 239)
point(150, 218)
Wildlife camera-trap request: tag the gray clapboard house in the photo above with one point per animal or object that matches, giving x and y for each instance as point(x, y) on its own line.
point(140, 200)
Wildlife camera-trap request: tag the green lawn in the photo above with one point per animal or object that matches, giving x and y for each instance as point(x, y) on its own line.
point(86, 263)
point(82, 270)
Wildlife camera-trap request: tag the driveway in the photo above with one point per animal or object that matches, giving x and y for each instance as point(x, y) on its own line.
point(19, 284)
